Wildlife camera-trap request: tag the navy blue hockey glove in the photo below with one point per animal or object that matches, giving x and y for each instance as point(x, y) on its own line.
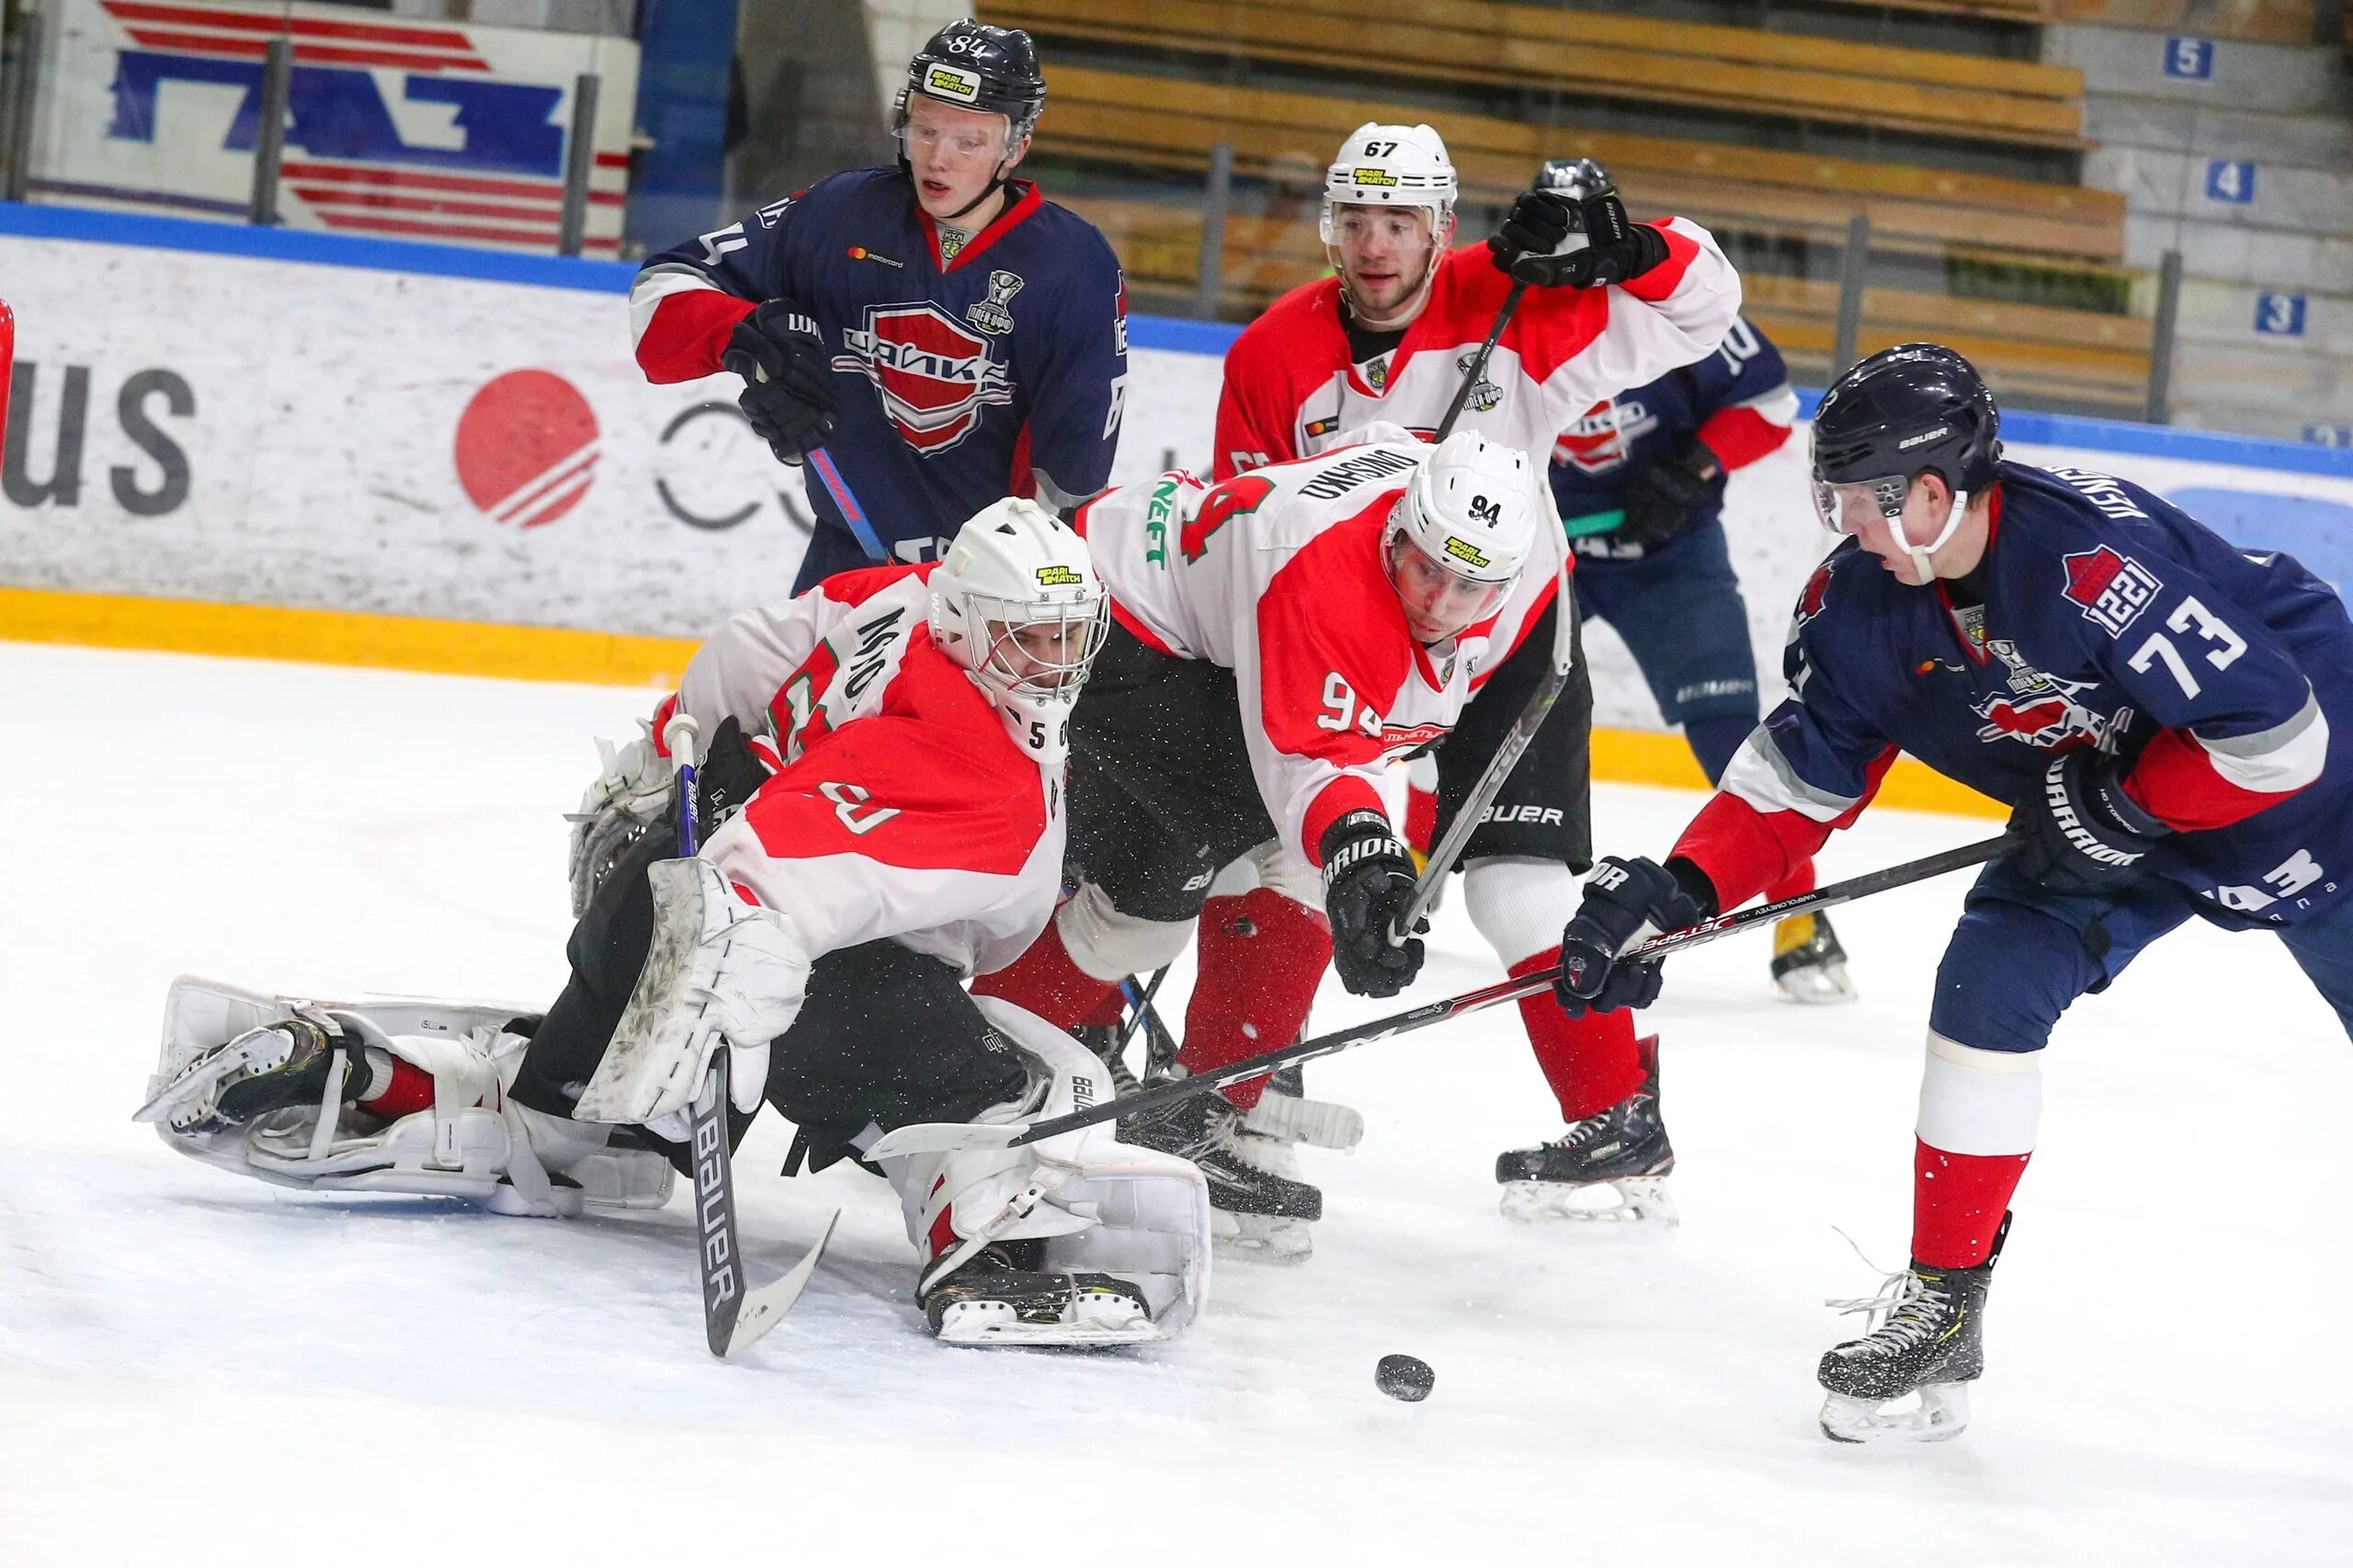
point(1626, 902)
point(1663, 499)
point(2081, 832)
point(1368, 886)
point(1540, 224)
point(788, 380)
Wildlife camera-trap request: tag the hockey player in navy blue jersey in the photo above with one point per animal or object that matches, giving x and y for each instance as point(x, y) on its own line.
point(2171, 719)
point(1639, 481)
point(943, 331)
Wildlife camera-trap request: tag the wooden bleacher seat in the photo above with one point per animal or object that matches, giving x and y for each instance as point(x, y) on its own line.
point(1636, 59)
point(1124, 118)
point(2081, 358)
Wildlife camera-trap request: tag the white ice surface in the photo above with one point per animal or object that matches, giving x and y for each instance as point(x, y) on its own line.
point(199, 1370)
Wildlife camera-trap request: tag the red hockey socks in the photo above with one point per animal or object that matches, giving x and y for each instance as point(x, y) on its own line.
point(1957, 1201)
point(1798, 882)
point(1979, 1113)
point(410, 1091)
point(1261, 957)
point(1591, 1062)
point(1048, 982)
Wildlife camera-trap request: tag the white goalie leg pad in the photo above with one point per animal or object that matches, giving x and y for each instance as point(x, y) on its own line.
point(473, 1143)
point(1101, 1206)
point(1111, 945)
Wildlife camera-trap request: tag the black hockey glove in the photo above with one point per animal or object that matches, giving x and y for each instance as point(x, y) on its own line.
point(1626, 902)
point(787, 381)
point(1529, 247)
point(1663, 500)
point(2083, 833)
point(1368, 884)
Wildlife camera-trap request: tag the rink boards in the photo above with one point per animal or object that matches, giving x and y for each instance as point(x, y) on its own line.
point(434, 457)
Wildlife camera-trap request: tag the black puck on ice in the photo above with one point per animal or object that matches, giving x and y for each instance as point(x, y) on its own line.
point(1408, 1377)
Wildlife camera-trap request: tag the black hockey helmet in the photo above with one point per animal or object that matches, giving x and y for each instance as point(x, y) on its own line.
point(975, 66)
point(1916, 408)
point(1573, 180)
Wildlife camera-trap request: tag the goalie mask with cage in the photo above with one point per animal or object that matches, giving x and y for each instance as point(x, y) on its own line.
point(1459, 536)
point(1016, 601)
point(1391, 167)
point(1913, 409)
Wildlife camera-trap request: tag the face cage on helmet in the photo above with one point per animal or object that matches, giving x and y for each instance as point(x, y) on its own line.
point(1001, 666)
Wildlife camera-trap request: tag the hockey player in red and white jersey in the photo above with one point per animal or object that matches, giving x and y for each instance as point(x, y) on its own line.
point(885, 801)
point(1277, 642)
point(1614, 305)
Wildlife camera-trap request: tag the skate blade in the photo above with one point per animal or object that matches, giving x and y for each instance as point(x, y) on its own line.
point(1268, 1237)
point(1639, 1199)
point(1289, 1119)
point(990, 1324)
point(190, 1095)
point(1943, 1413)
point(1818, 985)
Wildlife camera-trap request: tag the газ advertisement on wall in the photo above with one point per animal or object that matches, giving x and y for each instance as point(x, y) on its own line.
point(419, 130)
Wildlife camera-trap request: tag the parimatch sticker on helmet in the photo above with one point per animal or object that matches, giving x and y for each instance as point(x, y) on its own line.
point(1058, 577)
point(1464, 550)
point(947, 81)
point(1372, 176)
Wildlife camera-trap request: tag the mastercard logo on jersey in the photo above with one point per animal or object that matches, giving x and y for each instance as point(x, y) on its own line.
point(934, 372)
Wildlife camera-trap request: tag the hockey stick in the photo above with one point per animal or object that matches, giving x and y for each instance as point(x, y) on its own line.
point(829, 474)
point(1479, 360)
point(1490, 783)
point(732, 1317)
point(936, 1136)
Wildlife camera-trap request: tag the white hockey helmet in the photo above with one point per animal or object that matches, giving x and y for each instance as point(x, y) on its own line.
point(1017, 603)
point(1471, 514)
point(1392, 165)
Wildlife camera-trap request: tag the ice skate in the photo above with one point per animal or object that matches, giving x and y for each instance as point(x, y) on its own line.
point(1104, 1042)
point(1622, 1151)
point(1251, 1208)
point(1927, 1340)
point(998, 1296)
point(260, 1070)
point(1809, 965)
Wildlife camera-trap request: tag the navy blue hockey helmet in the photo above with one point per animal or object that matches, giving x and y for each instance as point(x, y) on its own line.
point(1916, 408)
point(975, 66)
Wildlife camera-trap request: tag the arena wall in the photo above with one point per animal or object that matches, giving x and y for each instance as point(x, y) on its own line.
point(302, 445)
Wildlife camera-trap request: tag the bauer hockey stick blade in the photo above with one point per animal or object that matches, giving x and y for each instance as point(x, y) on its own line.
point(934, 1137)
point(765, 1308)
point(1490, 783)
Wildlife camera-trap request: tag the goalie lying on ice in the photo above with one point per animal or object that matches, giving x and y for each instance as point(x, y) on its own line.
point(894, 825)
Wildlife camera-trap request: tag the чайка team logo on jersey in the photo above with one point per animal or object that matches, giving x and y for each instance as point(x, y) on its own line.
point(2111, 589)
point(934, 374)
point(2042, 710)
point(990, 315)
point(1815, 595)
point(1602, 437)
